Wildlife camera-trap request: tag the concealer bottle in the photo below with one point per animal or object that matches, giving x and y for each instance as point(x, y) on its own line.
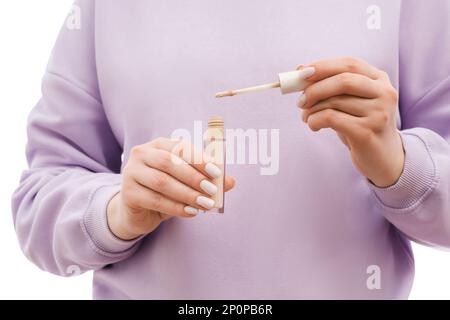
point(214, 147)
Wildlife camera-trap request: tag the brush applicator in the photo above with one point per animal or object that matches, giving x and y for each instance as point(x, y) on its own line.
point(288, 82)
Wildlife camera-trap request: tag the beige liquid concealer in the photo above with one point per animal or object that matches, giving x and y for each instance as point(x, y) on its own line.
point(214, 147)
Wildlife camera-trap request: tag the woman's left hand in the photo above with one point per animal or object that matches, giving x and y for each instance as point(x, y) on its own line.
point(359, 102)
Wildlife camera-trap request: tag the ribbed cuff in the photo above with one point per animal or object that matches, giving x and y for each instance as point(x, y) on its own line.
point(96, 222)
point(417, 179)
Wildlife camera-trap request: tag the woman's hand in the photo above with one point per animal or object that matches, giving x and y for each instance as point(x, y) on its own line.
point(162, 179)
point(358, 101)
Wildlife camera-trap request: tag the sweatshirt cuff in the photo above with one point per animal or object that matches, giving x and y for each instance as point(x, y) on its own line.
point(96, 222)
point(417, 179)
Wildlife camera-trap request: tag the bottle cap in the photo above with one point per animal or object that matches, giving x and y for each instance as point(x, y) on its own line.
point(294, 81)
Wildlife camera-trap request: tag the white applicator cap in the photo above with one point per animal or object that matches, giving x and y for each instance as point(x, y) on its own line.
point(294, 81)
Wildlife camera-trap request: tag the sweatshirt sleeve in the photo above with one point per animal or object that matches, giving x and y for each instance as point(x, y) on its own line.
point(59, 208)
point(419, 203)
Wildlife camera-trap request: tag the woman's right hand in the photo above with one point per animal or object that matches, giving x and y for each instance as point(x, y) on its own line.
point(162, 179)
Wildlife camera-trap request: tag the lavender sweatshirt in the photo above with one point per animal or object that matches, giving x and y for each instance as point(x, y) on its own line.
point(132, 71)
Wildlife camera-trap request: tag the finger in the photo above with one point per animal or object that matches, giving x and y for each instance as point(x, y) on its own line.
point(331, 67)
point(171, 164)
point(341, 84)
point(229, 183)
point(150, 200)
point(170, 187)
point(190, 154)
point(181, 170)
point(358, 107)
point(349, 126)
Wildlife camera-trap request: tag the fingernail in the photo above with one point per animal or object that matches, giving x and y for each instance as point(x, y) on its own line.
point(208, 187)
point(307, 72)
point(301, 100)
point(190, 210)
point(213, 170)
point(205, 202)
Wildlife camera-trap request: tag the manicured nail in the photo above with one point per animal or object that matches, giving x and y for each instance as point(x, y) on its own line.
point(213, 170)
point(205, 202)
point(307, 72)
point(190, 210)
point(208, 187)
point(301, 100)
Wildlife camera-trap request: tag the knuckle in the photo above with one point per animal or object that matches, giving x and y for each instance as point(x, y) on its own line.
point(184, 144)
point(328, 116)
point(155, 202)
point(160, 181)
point(380, 121)
point(324, 119)
point(178, 210)
point(383, 118)
point(137, 151)
point(392, 94)
point(165, 161)
point(351, 63)
point(335, 102)
point(311, 95)
point(185, 149)
point(158, 142)
point(181, 149)
point(346, 80)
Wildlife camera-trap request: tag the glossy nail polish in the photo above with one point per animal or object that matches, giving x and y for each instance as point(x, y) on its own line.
point(208, 187)
point(205, 202)
point(190, 210)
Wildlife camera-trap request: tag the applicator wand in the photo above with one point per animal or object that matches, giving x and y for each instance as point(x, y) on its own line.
point(288, 82)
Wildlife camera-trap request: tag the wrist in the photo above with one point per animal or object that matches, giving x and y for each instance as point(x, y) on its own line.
point(394, 165)
point(116, 221)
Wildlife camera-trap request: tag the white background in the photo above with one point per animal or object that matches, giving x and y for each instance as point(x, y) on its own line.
point(28, 29)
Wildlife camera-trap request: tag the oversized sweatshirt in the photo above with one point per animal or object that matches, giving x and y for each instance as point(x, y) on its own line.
point(302, 222)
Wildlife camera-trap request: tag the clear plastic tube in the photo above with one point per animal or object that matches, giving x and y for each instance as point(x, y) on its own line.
point(214, 147)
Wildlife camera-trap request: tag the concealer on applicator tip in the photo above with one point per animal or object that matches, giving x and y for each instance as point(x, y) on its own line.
point(288, 82)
